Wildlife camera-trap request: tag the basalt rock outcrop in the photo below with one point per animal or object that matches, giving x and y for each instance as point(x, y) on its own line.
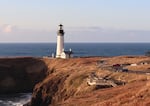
point(20, 74)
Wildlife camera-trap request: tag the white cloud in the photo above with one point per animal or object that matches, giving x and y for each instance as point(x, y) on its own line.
point(73, 34)
point(8, 28)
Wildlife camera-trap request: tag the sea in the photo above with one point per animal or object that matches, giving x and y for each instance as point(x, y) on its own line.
point(79, 50)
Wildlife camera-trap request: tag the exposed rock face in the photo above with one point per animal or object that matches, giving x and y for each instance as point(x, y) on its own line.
point(20, 74)
point(50, 92)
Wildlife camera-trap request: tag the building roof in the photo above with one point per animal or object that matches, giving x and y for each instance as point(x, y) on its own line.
point(68, 52)
point(60, 25)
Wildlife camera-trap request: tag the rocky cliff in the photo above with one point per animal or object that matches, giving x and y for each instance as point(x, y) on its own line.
point(18, 75)
point(92, 81)
point(66, 82)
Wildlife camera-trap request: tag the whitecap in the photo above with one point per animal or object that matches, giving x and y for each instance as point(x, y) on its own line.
point(15, 100)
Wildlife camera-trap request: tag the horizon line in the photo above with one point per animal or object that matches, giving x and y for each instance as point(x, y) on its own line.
point(66, 42)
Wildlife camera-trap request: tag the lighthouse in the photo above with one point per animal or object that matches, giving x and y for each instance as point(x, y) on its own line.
point(60, 51)
point(60, 41)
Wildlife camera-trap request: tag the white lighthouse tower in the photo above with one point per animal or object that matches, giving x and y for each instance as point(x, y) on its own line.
point(60, 52)
point(60, 41)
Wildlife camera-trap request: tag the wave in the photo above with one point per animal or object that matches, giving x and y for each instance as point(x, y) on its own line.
point(15, 99)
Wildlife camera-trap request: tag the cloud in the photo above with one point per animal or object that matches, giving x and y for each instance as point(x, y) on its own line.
point(7, 28)
point(12, 33)
point(90, 28)
point(98, 34)
point(72, 34)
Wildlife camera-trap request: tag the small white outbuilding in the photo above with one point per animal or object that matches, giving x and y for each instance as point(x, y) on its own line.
point(66, 54)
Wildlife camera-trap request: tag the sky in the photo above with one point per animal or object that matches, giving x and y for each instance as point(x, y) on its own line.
point(84, 20)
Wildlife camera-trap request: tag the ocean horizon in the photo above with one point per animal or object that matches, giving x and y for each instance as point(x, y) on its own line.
point(79, 49)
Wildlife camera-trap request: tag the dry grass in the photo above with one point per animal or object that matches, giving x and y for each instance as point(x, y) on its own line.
point(73, 88)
